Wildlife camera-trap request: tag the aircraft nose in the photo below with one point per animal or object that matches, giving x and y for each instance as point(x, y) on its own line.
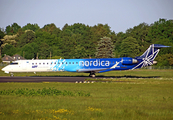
point(5, 69)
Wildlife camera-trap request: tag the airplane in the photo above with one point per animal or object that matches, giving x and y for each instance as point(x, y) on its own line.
point(92, 66)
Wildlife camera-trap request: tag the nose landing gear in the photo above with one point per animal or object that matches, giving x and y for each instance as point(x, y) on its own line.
point(11, 74)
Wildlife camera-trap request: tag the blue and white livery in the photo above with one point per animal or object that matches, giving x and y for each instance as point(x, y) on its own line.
point(92, 66)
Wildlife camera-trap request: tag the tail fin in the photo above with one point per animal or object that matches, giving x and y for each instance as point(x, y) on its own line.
point(147, 58)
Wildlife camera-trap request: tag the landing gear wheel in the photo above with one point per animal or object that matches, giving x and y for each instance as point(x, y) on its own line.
point(11, 74)
point(92, 74)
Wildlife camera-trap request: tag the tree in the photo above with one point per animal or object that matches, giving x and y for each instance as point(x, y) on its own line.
point(52, 29)
point(1, 36)
point(129, 47)
point(140, 33)
point(13, 29)
point(165, 60)
point(79, 52)
point(33, 27)
point(57, 57)
point(8, 50)
point(27, 37)
point(56, 51)
point(105, 48)
point(8, 39)
point(160, 30)
point(165, 41)
point(44, 51)
point(28, 51)
point(65, 26)
point(120, 37)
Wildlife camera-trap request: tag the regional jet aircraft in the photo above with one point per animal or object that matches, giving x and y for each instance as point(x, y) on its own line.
point(92, 66)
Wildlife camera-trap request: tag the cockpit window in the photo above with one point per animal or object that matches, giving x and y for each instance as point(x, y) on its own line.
point(14, 64)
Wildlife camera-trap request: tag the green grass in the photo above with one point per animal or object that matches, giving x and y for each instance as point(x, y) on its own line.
point(137, 95)
point(117, 100)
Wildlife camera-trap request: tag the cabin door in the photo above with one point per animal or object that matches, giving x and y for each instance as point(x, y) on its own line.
point(24, 65)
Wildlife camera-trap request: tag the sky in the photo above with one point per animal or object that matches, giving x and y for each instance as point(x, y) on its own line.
point(120, 15)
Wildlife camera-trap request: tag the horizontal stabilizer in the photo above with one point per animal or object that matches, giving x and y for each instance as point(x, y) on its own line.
point(160, 46)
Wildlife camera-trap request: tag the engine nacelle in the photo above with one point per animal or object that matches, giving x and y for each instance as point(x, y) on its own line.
point(129, 61)
point(154, 62)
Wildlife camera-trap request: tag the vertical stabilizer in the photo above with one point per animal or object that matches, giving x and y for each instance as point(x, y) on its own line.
point(147, 58)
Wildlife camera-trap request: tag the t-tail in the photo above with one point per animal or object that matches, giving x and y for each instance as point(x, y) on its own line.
point(147, 58)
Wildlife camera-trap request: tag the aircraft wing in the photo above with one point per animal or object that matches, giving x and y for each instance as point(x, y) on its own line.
point(97, 69)
point(91, 70)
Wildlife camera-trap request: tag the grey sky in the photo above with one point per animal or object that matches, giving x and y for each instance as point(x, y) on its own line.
point(118, 14)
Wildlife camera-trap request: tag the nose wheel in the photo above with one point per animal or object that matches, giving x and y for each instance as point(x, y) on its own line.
point(11, 74)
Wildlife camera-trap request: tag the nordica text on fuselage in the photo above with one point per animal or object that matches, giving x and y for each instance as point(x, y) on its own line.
point(94, 63)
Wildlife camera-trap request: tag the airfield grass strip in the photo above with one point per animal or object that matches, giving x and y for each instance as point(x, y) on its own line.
point(42, 92)
point(137, 95)
point(108, 101)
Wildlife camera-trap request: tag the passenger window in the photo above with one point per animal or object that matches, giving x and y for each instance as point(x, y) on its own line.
point(76, 62)
point(69, 62)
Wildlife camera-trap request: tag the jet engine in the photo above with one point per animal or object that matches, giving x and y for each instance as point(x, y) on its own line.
point(129, 61)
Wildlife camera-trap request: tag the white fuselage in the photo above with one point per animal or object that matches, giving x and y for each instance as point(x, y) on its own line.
point(30, 66)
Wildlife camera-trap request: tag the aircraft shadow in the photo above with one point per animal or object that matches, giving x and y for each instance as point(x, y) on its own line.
point(129, 76)
point(103, 76)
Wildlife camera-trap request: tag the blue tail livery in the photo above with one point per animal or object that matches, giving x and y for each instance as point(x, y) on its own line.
point(92, 66)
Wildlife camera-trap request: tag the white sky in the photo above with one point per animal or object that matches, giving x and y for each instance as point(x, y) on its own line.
point(118, 14)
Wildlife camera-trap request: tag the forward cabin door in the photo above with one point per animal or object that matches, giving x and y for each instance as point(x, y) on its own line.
point(25, 65)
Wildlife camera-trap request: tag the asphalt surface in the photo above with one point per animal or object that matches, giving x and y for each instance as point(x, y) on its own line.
point(42, 79)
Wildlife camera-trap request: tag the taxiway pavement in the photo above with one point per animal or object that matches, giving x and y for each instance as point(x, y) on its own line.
point(42, 79)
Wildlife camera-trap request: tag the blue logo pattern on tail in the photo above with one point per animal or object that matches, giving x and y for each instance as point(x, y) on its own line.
point(147, 57)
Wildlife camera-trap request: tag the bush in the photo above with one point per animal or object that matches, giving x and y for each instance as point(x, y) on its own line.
point(43, 92)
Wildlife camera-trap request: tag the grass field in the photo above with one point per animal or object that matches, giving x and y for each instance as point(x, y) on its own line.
point(136, 95)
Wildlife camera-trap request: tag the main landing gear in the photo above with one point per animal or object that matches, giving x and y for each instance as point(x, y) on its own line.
point(92, 74)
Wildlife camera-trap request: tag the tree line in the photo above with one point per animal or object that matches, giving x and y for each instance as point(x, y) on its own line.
point(82, 41)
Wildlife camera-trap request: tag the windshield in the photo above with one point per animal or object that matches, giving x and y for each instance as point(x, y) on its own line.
point(16, 63)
